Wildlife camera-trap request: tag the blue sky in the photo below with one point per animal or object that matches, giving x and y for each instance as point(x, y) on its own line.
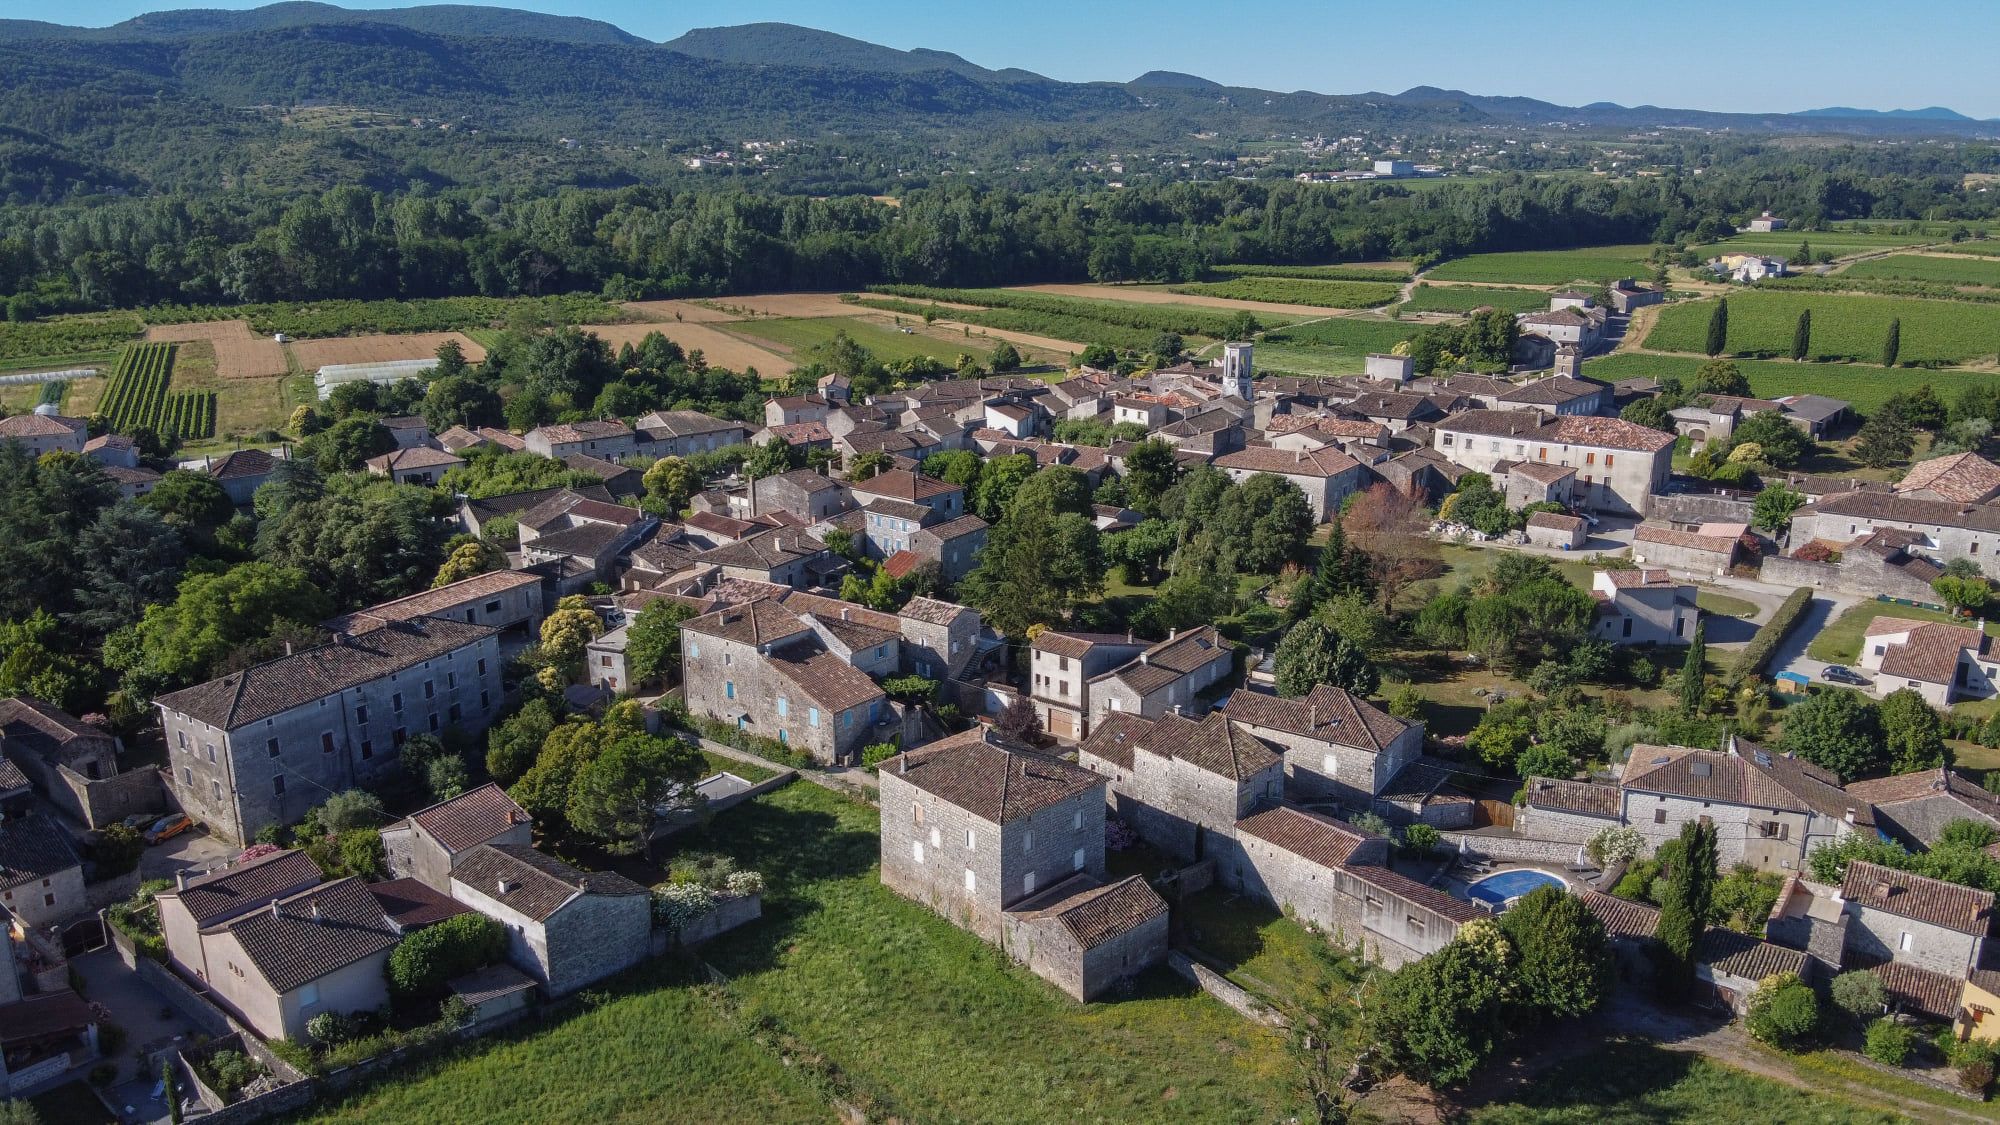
point(1701, 54)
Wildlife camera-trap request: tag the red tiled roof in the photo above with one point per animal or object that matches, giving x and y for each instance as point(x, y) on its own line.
point(1309, 835)
point(413, 904)
point(991, 776)
point(248, 885)
point(1323, 462)
point(1925, 899)
point(473, 817)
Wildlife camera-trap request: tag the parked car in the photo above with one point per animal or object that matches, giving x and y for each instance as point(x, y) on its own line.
point(1841, 674)
point(168, 827)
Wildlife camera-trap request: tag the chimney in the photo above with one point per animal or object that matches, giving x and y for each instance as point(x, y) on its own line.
point(902, 764)
point(274, 908)
point(181, 880)
point(316, 914)
point(504, 885)
point(288, 648)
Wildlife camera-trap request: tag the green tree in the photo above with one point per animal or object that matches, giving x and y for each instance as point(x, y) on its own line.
point(1911, 731)
point(670, 485)
point(1838, 730)
point(1168, 346)
point(999, 479)
point(1884, 440)
point(346, 811)
point(773, 458)
point(1802, 335)
point(365, 543)
point(1780, 443)
point(1859, 993)
point(1502, 735)
point(1892, 342)
point(1104, 357)
point(1694, 671)
point(1889, 1042)
point(566, 632)
point(1783, 1011)
point(1775, 507)
point(512, 746)
point(1042, 558)
point(869, 464)
point(192, 502)
point(1355, 617)
point(1438, 1018)
point(460, 400)
point(621, 795)
point(468, 560)
point(1720, 377)
point(1150, 470)
point(213, 614)
point(1968, 594)
point(345, 445)
point(1565, 957)
point(1718, 328)
point(1687, 896)
point(1266, 522)
point(1004, 358)
point(1312, 654)
point(425, 959)
point(653, 641)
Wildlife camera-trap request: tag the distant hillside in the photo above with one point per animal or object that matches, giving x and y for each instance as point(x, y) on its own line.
point(461, 20)
point(1174, 79)
point(784, 44)
point(1928, 113)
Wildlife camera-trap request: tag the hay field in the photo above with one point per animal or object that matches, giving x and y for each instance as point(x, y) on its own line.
point(315, 354)
point(683, 311)
point(719, 347)
point(239, 352)
point(1141, 296)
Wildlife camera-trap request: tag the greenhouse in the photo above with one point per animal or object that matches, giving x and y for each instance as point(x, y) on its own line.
point(380, 373)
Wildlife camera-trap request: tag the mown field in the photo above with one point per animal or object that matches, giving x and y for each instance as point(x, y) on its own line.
point(1916, 267)
point(1465, 298)
point(441, 314)
point(1633, 1083)
point(1844, 326)
point(1316, 273)
point(871, 999)
point(1297, 291)
point(887, 344)
point(1840, 242)
point(1337, 346)
point(1866, 385)
point(1595, 264)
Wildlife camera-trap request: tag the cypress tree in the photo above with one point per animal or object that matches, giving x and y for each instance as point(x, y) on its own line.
point(1802, 335)
point(1718, 327)
point(1694, 671)
point(1893, 342)
point(1684, 905)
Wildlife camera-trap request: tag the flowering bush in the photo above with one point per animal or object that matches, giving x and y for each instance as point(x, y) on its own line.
point(678, 905)
point(1118, 835)
point(744, 883)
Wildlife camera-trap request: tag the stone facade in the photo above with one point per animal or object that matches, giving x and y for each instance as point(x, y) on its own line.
point(585, 940)
point(1610, 479)
point(772, 685)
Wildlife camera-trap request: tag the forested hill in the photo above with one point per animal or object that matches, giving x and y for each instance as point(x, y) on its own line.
point(461, 20)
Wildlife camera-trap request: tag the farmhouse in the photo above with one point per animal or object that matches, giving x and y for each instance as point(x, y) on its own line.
point(1621, 464)
point(612, 440)
point(1642, 607)
point(1327, 476)
point(36, 433)
point(1689, 552)
point(1769, 810)
point(1907, 918)
point(418, 465)
point(1944, 529)
point(1337, 746)
point(1940, 662)
point(770, 671)
point(1914, 807)
point(565, 928)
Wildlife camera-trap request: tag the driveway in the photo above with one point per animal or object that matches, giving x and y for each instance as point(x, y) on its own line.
point(193, 851)
point(1791, 656)
point(151, 1025)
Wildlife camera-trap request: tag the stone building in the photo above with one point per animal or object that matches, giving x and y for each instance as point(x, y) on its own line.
point(1164, 678)
point(1337, 746)
point(263, 745)
point(763, 668)
point(419, 465)
point(72, 764)
point(980, 829)
point(1689, 552)
point(1183, 785)
point(683, 433)
point(507, 600)
point(1061, 665)
point(612, 440)
point(36, 433)
point(1620, 464)
point(1643, 607)
point(1326, 475)
point(1899, 916)
point(1769, 810)
point(809, 495)
point(427, 844)
point(202, 902)
point(1943, 529)
point(1561, 809)
point(1939, 661)
point(566, 928)
point(1913, 808)
point(41, 878)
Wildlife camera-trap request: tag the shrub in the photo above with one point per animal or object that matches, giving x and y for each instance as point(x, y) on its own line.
point(1615, 845)
point(296, 1054)
point(704, 869)
point(1370, 822)
point(1859, 994)
point(118, 850)
point(1976, 1075)
point(428, 958)
point(744, 883)
point(876, 753)
point(1889, 1042)
point(1782, 1011)
point(1420, 838)
point(678, 905)
point(1750, 662)
point(18, 1112)
point(227, 1072)
point(110, 1037)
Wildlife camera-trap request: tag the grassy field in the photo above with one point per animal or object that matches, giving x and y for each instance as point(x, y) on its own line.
point(1632, 1083)
point(1865, 385)
point(1336, 346)
point(887, 344)
point(1465, 298)
point(42, 343)
point(872, 999)
point(1918, 267)
point(719, 764)
point(1596, 264)
point(1840, 641)
point(1839, 243)
point(1722, 605)
point(1322, 273)
point(1844, 326)
point(1188, 320)
point(1297, 291)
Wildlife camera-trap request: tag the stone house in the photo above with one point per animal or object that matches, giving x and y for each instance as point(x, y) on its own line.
point(507, 600)
point(1337, 746)
point(1900, 916)
point(566, 928)
point(132, 483)
point(797, 435)
point(1573, 811)
point(113, 451)
point(319, 950)
point(1620, 464)
point(780, 557)
point(604, 661)
point(262, 745)
point(1553, 529)
point(36, 433)
point(612, 440)
point(1940, 662)
point(1183, 785)
point(1631, 928)
point(587, 537)
point(1878, 564)
point(809, 495)
point(427, 844)
point(977, 827)
point(1578, 326)
point(477, 516)
point(1942, 529)
point(763, 668)
point(1769, 810)
point(1627, 295)
point(1558, 394)
point(1913, 808)
point(60, 755)
point(1960, 478)
point(1766, 222)
point(1164, 677)
point(1690, 552)
point(1817, 415)
point(419, 465)
point(1061, 666)
point(794, 409)
point(911, 487)
point(953, 544)
point(240, 473)
point(622, 481)
point(1643, 607)
point(200, 903)
point(683, 433)
point(41, 878)
point(1714, 417)
point(1532, 482)
point(1731, 965)
point(1326, 476)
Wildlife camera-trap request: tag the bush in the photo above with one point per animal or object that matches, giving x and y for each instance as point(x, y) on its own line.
point(103, 1074)
point(1615, 845)
point(118, 850)
point(702, 869)
point(1782, 1011)
point(1889, 1042)
point(296, 1054)
point(876, 753)
point(1420, 838)
point(678, 905)
point(744, 883)
point(227, 1072)
point(1750, 662)
point(425, 960)
point(1976, 1075)
point(1859, 994)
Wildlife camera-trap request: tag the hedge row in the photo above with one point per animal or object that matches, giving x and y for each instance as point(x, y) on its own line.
point(1758, 652)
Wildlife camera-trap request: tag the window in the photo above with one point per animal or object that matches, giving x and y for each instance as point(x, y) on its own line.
point(729, 689)
point(917, 815)
point(1062, 663)
point(1608, 458)
point(1028, 840)
point(1028, 883)
point(1628, 627)
point(482, 666)
point(215, 788)
point(784, 736)
point(48, 900)
point(434, 722)
point(493, 606)
point(278, 785)
point(430, 689)
point(968, 839)
point(367, 749)
point(187, 776)
point(396, 703)
point(308, 994)
point(361, 713)
point(971, 880)
point(326, 742)
point(917, 849)
point(1659, 816)
point(694, 651)
point(485, 701)
point(210, 747)
point(1076, 860)
point(935, 842)
point(181, 737)
point(451, 678)
point(784, 707)
point(1590, 458)
point(1414, 924)
point(272, 747)
point(401, 736)
point(457, 712)
point(1076, 820)
point(812, 716)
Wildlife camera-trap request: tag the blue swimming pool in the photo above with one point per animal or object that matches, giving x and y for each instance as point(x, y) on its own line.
point(1498, 890)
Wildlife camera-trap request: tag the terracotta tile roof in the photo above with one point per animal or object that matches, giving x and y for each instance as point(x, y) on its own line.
point(901, 564)
point(1499, 423)
point(1540, 472)
point(761, 621)
point(1668, 537)
point(1100, 914)
point(1704, 775)
point(436, 600)
point(991, 776)
point(854, 634)
point(1640, 579)
point(260, 692)
point(1214, 744)
point(562, 433)
point(902, 484)
point(517, 503)
point(472, 817)
point(413, 904)
point(511, 442)
point(458, 437)
point(1555, 521)
point(1741, 955)
point(1932, 652)
point(1415, 893)
point(1921, 990)
point(1916, 896)
point(32, 848)
point(719, 524)
point(46, 720)
point(242, 463)
point(415, 457)
point(220, 894)
point(824, 678)
point(1553, 391)
point(826, 609)
point(1818, 788)
point(1579, 797)
point(1940, 783)
point(1076, 646)
point(1169, 661)
point(537, 885)
point(1308, 835)
point(1323, 462)
point(1610, 433)
point(800, 433)
point(949, 530)
point(11, 777)
point(1909, 509)
point(932, 611)
point(598, 467)
point(38, 425)
point(1622, 917)
point(1328, 714)
point(1114, 736)
point(1965, 478)
point(312, 934)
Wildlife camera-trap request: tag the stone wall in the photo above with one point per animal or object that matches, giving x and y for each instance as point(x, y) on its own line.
point(108, 800)
point(1220, 987)
point(1555, 824)
point(728, 914)
point(1866, 575)
point(1685, 510)
point(1495, 846)
point(1877, 936)
point(198, 1009)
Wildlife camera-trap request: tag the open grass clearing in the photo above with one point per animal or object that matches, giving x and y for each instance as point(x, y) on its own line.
point(243, 407)
point(1723, 605)
point(1297, 291)
point(720, 764)
point(1924, 267)
point(1465, 298)
point(1844, 326)
point(1840, 642)
point(1595, 264)
point(1865, 385)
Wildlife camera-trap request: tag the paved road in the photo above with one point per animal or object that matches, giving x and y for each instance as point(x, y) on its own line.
point(1791, 656)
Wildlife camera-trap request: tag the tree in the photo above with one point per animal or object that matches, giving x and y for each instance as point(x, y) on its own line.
point(1101, 356)
point(468, 560)
point(366, 542)
point(1019, 719)
point(460, 400)
point(1859, 993)
point(212, 615)
point(345, 445)
point(1266, 522)
point(1838, 730)
point(1150, 470)
point(1718, 328)
point(1775, 507)
point(1889, 1042)
point(1689, 889)
point(1782, 1011)
point(1694, 671)
point(446, 776)
point(869, 464)
point(1892, 341)
point(192, 502)
point(567, 632)
point(623, 793)
point(1168, 346)
point(1884, 439)
point(512, 746)
point(1911, 731)
point(1438, 1018)
point(773, 458)
point(1969, 594)
point(1720, 377)
point(1779, 442)
point(1004, 358)
point(1042, 558)
point(425, 959)
point(1802, 335)
point(1501, 737)
point(1312, 654)
point(1389, 525)
point(1565, 957)
point(348, 810)
point(544, 790)
point(292, 482)
point(999, 479)
point(670, 485)
point(653, 640)
point(137, 559)
point(1355, 618)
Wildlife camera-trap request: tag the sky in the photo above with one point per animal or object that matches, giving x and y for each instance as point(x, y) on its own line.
point(1769, 56)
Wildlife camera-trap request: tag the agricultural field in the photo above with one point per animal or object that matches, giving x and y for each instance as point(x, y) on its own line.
point(888, 344)
point(1465, 298)
point(1594, 264)
point(1385, 271)
point(1917, 267)
point(1985, 248)
point(870, 998)
point(1840, 243)
point(720, 345)
point(1845, 326)
point(315, 354)
point(239, 352)
point(244, 408)
point(138, 396)
point(1336, 346)
point(35, 343)
point(438, 314)
point(1866, 385)
point(1297, 291)
point(1188, 320)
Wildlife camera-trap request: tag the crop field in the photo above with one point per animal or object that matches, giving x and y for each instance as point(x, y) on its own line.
point(438, 314)
point(1297, 291)
point(1844, 326)
point(1338, 346)
point(1595, 264)
point(1866, 385)
point(40, 340)
point(138, 396)
point(1393, 271)
point(315, 354)
point(1839, 243)
point(718, 347)
point(1264, 311)
point(888, 344)
point(239, 352)
point(1917, 267)
point(1079, 330)
point(695, 311)
point(1188, 320)
point(1985, 248)
point(1465, 298)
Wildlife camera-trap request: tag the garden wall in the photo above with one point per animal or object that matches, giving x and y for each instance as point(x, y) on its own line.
point(728, 914)
point(1494, 846)
point(1685, 510)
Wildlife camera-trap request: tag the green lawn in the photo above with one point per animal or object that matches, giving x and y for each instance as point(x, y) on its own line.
point(1839, 243)
point(752, 774)
point(873, 999)
point(1465, 298)
point(1334, 346)
point(887, 344)
point(1595, 264)
point(1916, 267)
point(1844, 326)
point(1840, 641)
point(1712, 601)
point(1866, 385)
point(1265, 952)
point(1637, 1083)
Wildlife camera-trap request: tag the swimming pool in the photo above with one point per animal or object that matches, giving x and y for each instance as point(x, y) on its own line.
point(1499, 889)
